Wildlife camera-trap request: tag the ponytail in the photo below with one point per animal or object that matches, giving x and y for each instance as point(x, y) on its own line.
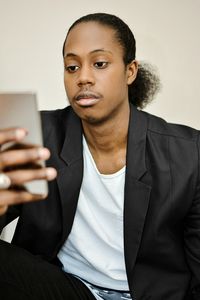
point(145, 87)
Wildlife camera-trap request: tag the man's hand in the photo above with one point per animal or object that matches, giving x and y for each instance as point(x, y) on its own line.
point(21, 165)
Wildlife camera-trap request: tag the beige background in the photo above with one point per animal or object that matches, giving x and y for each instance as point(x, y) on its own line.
point(167, 34)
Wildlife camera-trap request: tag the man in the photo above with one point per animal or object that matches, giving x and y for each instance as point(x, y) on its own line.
point(122, 219)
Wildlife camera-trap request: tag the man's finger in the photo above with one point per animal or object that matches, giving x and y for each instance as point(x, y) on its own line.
point(12, 134)
point(17, 157)
point(19, 177)
point(12, 197)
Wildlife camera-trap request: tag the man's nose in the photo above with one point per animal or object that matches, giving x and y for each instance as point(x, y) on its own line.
point(86, 76)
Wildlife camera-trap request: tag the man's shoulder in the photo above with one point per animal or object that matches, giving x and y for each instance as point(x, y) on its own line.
point(160, 126)
point(56, 114)
point(55, 123)
point(59, 118)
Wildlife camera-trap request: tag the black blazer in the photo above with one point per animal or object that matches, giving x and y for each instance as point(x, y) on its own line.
point(161, 205)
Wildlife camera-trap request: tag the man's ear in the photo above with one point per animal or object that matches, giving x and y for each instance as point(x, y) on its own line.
point(132, 69)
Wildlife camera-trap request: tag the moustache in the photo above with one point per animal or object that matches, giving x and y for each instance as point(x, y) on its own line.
point(87, 95)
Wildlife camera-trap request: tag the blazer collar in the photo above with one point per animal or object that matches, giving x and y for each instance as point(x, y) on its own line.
point(72, 147)
point(136, 144)
point(70, 172)
point(137, 189)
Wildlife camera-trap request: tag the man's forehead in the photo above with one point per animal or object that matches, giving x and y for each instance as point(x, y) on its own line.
point(90, 33)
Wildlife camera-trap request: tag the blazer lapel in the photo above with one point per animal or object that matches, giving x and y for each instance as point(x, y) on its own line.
point(137, 187)
point(70, 172)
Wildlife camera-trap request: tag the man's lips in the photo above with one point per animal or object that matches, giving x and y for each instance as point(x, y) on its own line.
point(87, 98)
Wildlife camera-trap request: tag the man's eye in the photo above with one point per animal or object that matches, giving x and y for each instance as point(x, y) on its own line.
point(71, 69)
point(101, 64)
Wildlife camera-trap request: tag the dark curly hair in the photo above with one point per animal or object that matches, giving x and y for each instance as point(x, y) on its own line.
point(147, 82)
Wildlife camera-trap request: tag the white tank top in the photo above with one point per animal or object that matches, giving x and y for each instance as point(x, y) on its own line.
point(94, 250)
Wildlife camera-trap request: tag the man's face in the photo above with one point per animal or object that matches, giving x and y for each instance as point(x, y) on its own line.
point(96, 79)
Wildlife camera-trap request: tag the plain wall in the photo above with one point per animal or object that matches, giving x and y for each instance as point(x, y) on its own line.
point(167, 34)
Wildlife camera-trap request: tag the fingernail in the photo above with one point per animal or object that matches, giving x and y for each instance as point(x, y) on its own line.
point(43, 153)
point(20, 133)
point(51, 173)
point(43, 196)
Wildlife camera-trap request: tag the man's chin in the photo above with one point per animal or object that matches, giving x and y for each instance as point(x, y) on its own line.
point(90, 117)
point(92, 120)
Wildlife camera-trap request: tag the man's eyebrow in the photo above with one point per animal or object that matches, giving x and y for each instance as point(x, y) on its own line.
point(101, 50)
point(71, 54)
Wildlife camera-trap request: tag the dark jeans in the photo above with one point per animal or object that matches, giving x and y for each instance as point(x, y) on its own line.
point(24, 276)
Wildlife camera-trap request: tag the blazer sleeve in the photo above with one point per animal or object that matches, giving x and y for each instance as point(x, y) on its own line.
point(192, 235)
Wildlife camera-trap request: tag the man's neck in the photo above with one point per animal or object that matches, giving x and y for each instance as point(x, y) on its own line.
point(107, 143)
point(108, 136)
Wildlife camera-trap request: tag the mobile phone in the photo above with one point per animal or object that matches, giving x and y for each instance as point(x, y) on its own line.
point(21, 110)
